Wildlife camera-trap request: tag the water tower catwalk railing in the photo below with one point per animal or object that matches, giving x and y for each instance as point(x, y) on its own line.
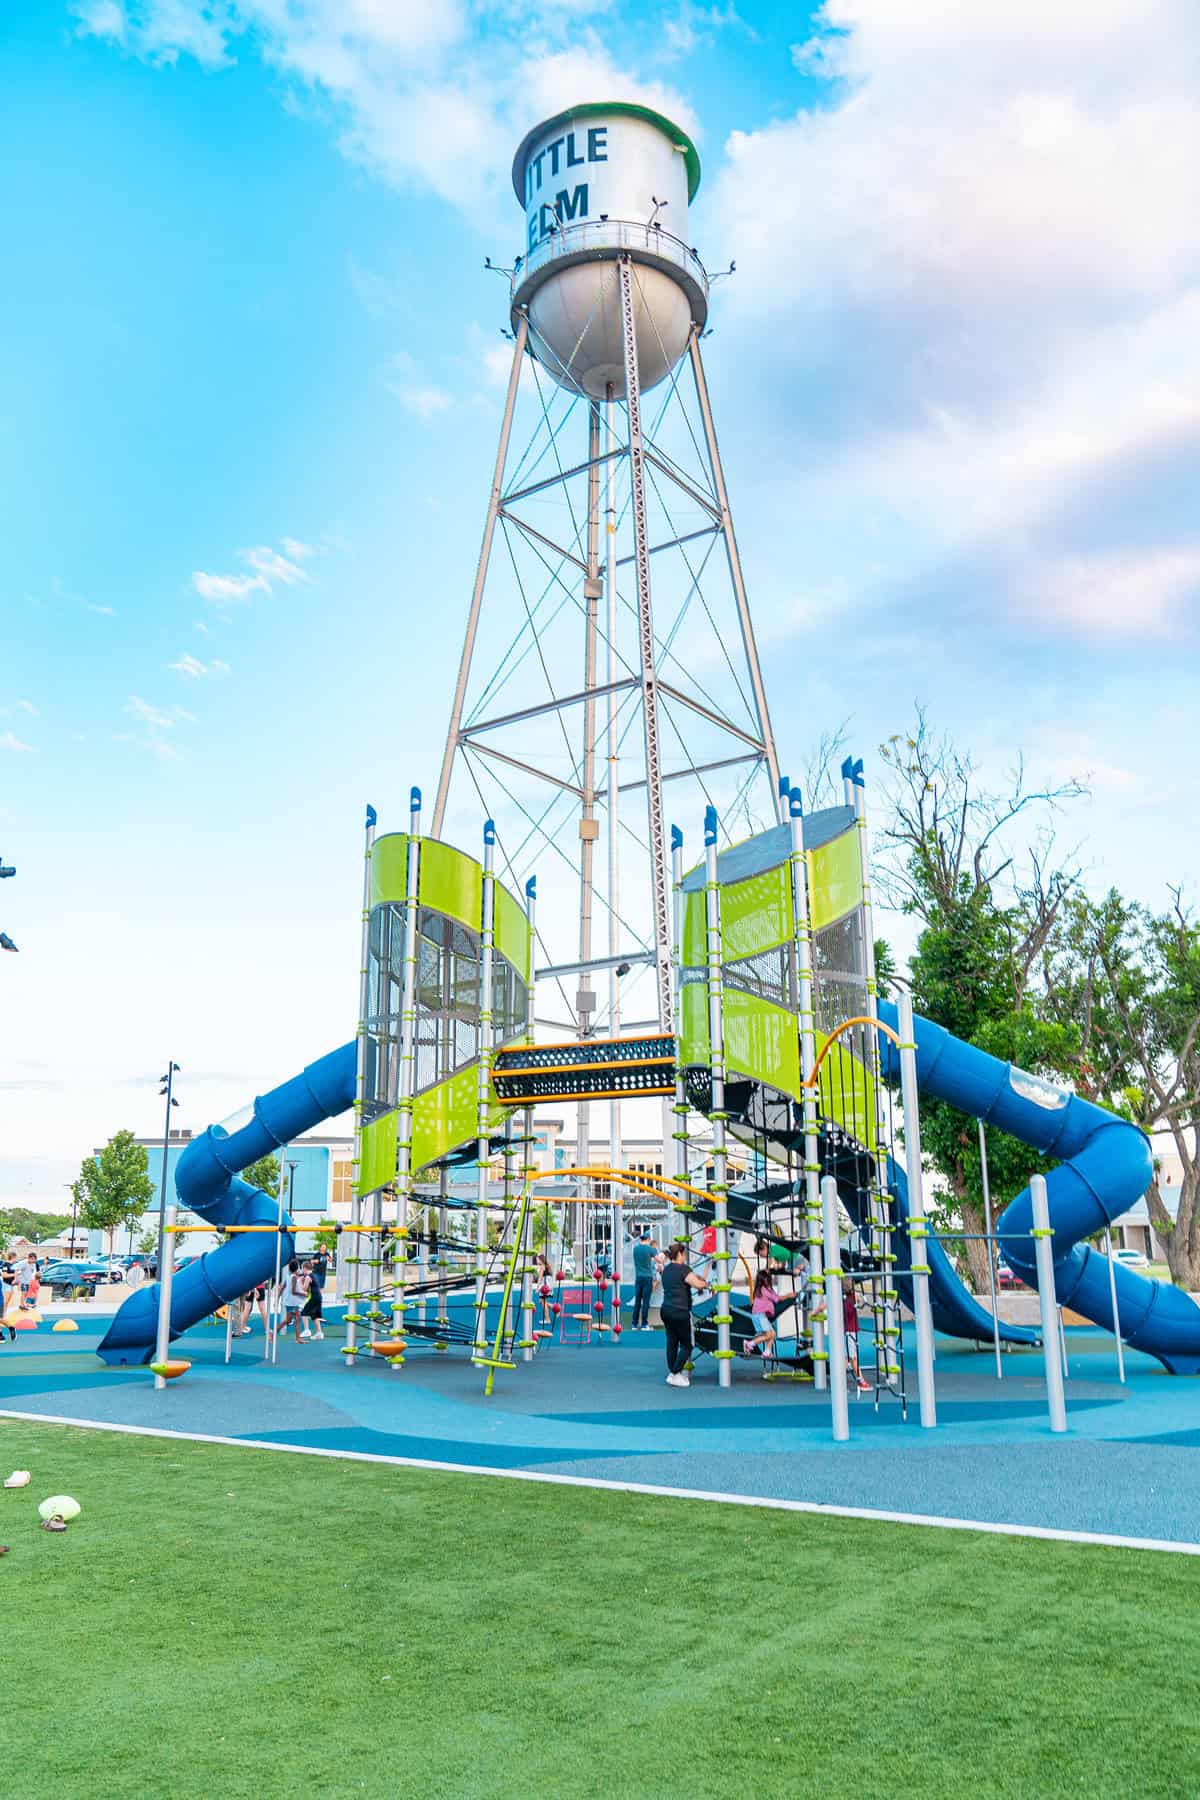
point(601, 240)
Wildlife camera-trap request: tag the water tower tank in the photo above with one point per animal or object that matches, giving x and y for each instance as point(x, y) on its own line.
point(595, 181)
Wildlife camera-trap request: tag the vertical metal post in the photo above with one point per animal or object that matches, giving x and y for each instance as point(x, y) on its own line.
point(1042, 1236)
point(443, 1227)
point(749, 644)
point(918, 1231)
point(274, 1299)
point(589, 826)
point(528, 1166)
point(808, 1056)
point(836, 1319)
point(612, 750)
point(649, 677)
point(991, 1248)
point(1112, 1292)
point(406, 1080)
point(360, 1078)
point(162, 1180)
point(166, 1268)
point(481, 569)
point(855, 789)
point(722, 1286)
point(679, 1135)
point(484, 1089)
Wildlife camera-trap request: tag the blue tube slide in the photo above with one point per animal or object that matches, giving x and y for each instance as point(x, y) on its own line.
point(1105, 1167)
point(206, 1182)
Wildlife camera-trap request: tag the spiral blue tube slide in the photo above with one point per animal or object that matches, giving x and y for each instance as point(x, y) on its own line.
point(1105, 1167)
point(206, 1182)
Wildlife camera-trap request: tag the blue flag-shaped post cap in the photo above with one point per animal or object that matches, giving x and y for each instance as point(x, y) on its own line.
point(795, 804)
point(853, 771)
point(710, 825)
point(414, 799)
point(372, 816)
point(489, 831)
point(531, 888)
point(676, 838)
point(785, 786)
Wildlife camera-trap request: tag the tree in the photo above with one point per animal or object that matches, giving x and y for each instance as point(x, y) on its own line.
point(21, 1222)
point(264, 1174)
point(113, 1188)
point(988, 908)
point(1128, 980)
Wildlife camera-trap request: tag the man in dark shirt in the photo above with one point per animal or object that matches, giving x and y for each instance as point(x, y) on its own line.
point(643, 1280)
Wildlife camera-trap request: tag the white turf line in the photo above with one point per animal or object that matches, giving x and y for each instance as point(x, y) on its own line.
point(821, 1508)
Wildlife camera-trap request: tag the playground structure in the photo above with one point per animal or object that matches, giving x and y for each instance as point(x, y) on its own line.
point(764, 1016)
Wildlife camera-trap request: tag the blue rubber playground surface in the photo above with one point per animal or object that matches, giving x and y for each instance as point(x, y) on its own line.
point(1129, 1464)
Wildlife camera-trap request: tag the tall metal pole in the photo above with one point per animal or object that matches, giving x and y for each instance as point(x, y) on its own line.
point(406, 1073)
point(166, 1268)
point(484, 1088)
point(749, 643)
point(680, 1107)
point(991, 1248)
point(918, 1231)
point(836, 1321)
point(612, 753)
point(649, 677)
point(360, 1082)
point(275, 1299)
point(1112, 1292)
point(172, 1070)
point(589, 826)
point(722, 1286)
point(801, 919)
point(1051, 1348)
point(887, 1322)
point(481, 569)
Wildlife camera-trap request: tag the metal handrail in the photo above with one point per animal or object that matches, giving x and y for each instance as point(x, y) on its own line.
point(610, 234)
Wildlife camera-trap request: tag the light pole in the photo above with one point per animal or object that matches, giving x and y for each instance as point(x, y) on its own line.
point(165, 1093)
point(70, 1185)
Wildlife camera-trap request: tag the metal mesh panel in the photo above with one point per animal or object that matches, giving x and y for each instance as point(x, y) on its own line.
point(837, 949)
point(837, 998)
point(767, 975)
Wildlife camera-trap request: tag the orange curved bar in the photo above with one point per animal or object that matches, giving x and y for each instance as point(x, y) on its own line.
point(846, 1025)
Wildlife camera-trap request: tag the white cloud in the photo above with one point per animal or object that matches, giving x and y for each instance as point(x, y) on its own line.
point(148, 715)
point(223, 588)
point(1129, 592)
point(414, 99)
point(105, 612)
point(27, 706)
point(10, 741)
point(979, 264)
point(269, 568)
point(405, 380)
point(195, 670)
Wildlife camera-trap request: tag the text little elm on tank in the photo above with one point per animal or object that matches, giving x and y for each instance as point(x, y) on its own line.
point(573, 150)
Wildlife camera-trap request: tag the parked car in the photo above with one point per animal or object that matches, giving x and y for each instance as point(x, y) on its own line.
point(1005, 1277)
point(1132, 1259)
point(65, 1277)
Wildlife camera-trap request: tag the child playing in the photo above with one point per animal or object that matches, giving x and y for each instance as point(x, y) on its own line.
point(850, 1323)
point(763, 1302)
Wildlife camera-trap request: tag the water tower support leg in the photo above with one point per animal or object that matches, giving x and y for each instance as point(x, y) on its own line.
point(485, 554)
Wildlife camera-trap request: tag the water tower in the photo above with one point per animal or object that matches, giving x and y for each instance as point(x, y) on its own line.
point(609, 654)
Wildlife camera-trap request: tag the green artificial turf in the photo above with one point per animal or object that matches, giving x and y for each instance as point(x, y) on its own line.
point(230, 1621)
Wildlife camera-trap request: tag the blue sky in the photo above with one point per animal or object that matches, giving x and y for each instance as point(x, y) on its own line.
point(250, 405)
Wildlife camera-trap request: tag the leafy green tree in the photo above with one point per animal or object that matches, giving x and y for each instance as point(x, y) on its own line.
point(1128, 980)
point(20, 1221)
point(988, 907)
point(113, 1189)
point(264, 1174)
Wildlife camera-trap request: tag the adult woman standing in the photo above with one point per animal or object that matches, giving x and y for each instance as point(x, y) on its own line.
point(677, 1284)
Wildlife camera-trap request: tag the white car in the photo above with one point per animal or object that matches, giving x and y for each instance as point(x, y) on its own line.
point(1132, 1259)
